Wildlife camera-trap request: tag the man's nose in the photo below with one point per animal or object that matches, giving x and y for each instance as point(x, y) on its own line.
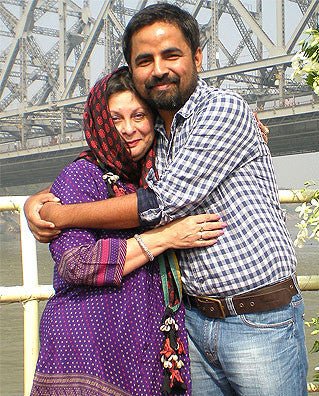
point(160, 68)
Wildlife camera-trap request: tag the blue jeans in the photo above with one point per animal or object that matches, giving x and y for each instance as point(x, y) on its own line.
point(260, 354)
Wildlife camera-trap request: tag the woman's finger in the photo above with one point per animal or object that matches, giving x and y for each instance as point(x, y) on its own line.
point(206, 235)
point(213, 225)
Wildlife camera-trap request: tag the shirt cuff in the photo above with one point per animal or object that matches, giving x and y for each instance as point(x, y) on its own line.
point(148, 209)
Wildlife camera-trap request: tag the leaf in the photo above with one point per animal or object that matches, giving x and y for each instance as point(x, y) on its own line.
point(315, 347)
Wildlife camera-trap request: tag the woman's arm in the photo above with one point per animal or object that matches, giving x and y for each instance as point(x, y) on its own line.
point(189, 232)
point(106, 261)
point(82, 256)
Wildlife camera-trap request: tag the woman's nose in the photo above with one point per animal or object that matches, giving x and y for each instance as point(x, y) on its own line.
point(128, 127)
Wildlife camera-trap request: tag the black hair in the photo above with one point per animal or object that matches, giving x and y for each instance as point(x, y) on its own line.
point(161, 12)
point(120, 81)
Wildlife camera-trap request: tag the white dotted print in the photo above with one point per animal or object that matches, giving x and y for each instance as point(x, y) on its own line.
point(104, 334)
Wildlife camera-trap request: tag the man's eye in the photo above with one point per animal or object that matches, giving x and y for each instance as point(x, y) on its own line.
point(115, 119)
point(143, 62)
point(172, 56)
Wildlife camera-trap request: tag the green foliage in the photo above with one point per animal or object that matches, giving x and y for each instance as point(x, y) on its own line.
point(306, 68)
point(306, 61)
point(309, 218)
point(310, 46)
point(309, 229)
point(315, 348)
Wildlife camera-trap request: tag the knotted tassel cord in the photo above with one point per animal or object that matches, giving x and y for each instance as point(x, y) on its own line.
point(173, 348)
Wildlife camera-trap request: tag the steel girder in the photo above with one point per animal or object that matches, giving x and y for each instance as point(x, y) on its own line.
point(46, 65)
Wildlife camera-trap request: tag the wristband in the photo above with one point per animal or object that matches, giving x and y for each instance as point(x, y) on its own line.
point(144, 247)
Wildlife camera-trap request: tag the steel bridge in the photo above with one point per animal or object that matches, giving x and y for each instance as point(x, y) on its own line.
point(52, 52)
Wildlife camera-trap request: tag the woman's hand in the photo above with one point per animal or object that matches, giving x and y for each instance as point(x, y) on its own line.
point(43, 231)
point(189, 232)
point(194, 231)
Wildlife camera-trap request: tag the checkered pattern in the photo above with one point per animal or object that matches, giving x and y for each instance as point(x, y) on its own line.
point(216, 161)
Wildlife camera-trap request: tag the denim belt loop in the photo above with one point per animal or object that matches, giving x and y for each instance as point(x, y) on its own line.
point(295, 280)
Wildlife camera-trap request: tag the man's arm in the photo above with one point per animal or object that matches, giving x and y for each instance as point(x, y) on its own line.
point(223, 138)
point(41, 229)
point(46, 216)
point(122, 212)
point(115, 213)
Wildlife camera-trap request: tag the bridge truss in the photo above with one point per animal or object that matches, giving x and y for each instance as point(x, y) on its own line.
point(52, 51)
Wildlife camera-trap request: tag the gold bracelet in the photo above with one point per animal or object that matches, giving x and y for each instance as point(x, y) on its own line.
point(144, 247)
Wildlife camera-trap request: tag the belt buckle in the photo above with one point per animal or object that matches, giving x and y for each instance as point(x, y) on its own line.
point(220, 305)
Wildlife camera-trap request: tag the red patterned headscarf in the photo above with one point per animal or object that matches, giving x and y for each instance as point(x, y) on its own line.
point(107, 149)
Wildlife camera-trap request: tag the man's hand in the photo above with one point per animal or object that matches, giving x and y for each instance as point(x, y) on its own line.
point(43, 231)
point(264, 130)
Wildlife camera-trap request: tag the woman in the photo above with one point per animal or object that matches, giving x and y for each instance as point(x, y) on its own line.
point(100, 333)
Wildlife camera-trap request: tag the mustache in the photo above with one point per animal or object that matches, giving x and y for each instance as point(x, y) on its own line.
point(153, 81)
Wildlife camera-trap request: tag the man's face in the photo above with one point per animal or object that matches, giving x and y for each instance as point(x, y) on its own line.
point(163, 68)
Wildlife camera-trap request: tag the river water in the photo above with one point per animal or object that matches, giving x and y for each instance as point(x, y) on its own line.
point(11, 315)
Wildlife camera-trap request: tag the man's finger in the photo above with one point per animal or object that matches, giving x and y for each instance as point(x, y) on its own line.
point(38, 224)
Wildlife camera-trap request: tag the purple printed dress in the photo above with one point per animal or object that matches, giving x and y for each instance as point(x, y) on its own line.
point(99, 334)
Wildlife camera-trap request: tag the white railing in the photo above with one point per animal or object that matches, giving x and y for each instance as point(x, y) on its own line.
point(30, 293)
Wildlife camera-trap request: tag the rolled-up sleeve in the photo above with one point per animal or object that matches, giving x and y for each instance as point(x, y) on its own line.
point(148, 207)
point(96, 265)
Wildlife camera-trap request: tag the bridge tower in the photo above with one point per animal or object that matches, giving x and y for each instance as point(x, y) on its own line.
point(52, 51)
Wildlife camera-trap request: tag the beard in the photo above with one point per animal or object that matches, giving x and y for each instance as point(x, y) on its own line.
point(173, 98)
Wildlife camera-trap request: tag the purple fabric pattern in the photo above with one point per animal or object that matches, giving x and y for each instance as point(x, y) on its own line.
point(99, 334)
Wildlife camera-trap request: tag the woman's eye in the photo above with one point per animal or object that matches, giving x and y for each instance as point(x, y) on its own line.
point(115, 119)
point(139, 116)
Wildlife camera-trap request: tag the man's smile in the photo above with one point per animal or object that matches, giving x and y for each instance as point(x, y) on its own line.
point(162, 87)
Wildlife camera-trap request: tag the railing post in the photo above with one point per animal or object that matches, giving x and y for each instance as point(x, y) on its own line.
point(31, 307)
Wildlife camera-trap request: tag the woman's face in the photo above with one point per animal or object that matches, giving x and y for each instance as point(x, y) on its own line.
point(134, 122)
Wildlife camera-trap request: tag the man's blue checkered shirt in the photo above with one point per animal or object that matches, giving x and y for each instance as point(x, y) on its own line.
point(216, 161)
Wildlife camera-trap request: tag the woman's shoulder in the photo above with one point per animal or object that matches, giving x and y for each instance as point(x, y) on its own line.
point(80, 178)
point(80, 167)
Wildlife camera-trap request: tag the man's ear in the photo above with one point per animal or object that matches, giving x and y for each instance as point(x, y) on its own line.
point(198, 58)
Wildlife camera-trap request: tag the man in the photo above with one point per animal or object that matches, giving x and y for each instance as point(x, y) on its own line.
point(244, 309)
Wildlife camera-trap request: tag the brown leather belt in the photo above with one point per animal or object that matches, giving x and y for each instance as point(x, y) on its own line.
point(263, 299)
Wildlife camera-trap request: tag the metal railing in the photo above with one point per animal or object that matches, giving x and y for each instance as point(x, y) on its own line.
point(30, 293)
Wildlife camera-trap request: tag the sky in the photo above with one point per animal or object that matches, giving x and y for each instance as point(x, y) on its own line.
point(292, 171)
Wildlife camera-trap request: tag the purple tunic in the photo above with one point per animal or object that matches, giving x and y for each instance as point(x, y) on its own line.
point(100, 332)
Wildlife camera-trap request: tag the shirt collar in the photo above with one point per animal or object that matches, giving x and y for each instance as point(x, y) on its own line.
point(191, 103)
